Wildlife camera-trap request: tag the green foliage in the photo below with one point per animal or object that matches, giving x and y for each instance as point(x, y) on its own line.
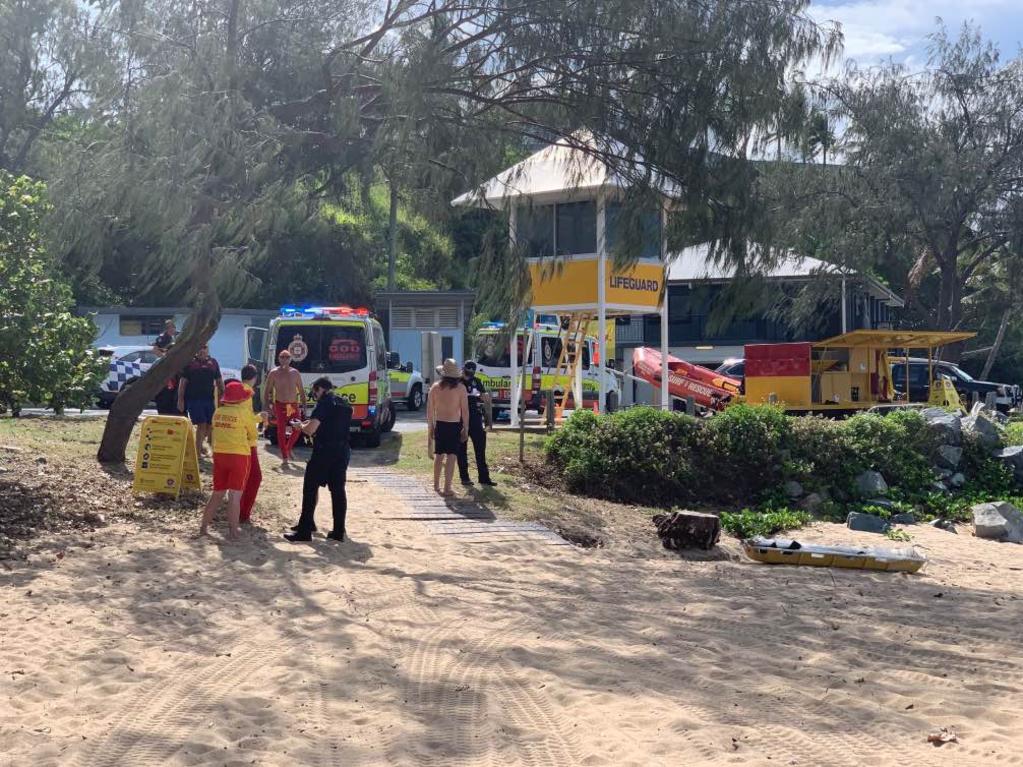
point(45, 352)
point(743, 457)
point(638, 455)
point(895, 534)
point(750, 523)
point(1014, 433)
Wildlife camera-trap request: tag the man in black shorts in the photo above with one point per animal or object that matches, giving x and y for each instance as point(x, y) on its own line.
point(328, 426)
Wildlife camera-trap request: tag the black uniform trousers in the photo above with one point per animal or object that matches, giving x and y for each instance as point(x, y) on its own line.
point(326, 467)
point(478, 435)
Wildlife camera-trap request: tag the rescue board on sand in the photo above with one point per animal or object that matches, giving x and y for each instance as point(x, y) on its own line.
point(781, 551)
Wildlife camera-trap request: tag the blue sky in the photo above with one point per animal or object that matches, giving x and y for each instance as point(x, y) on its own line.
point(876, 30)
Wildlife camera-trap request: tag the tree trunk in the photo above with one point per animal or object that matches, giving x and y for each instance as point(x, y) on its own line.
point(992, 355)
point(392, 238)
point(126, 409)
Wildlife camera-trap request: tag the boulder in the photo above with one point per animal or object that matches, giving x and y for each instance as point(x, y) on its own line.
point(984, 430)
point(1012, 458)
point(998, 521)
point(949, 456)
point(939, 487)
point(688, 530)
point(905, 518)
point(942, 474)
point(944, 524)
point(812, 503)
point(991, 412)
point(871, 483)
point(793, 489)
point(867, 523)
point(957, 480)
point(947, 425)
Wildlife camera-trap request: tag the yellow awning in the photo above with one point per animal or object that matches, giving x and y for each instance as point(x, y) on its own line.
point(895, 339)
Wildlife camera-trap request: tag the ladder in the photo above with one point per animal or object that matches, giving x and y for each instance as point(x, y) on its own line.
point(569, 359)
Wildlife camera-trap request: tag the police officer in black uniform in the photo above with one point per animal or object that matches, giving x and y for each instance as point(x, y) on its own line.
point(477, 429)
point(328, 426)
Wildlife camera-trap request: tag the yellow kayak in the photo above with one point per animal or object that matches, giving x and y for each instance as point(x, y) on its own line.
point(780, 551)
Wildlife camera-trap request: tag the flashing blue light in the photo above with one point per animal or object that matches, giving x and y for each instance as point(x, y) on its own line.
point(372, 410)
point(493, 325)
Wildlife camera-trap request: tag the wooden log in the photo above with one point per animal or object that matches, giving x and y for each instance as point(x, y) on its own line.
point(688, 530)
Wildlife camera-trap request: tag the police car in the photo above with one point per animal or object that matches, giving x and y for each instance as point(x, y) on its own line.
point(127, 363)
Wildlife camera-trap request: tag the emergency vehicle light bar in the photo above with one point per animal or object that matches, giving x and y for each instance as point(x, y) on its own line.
point(315, 311)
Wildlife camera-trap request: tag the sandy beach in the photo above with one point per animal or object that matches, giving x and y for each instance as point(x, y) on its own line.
point(136, 645)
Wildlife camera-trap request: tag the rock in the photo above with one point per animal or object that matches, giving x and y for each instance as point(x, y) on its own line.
point(41, 459)
point(991, 412)
point(999, 521)
point(871, 483)
point(688, 530)
point(949, 456)
point(812, 502)
point(905, 518)
point(957, 480)
point(944, 524)
point(866, 523)
point(793, 489)
point(942, 474)
point(1012, 458)
point(947, 425)
point(939, 487)
point(984, 430)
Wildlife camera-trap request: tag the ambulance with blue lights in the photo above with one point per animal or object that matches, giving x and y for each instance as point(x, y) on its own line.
point(343, 343)
point(543, 341)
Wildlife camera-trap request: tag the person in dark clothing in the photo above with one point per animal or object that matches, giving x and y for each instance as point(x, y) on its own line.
point(200, 382)
point(477, 429)
point(165, 340)
point(167, 398)
point(328, 426)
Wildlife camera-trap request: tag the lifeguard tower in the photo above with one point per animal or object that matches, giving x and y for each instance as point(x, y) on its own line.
point(565, 210)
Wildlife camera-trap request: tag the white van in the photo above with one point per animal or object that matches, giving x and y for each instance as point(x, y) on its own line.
point(493, 360)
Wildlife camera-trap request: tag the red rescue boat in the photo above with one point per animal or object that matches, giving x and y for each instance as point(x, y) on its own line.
point(707, 388)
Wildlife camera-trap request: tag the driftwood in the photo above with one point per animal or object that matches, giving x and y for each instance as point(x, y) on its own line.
point(688, 530)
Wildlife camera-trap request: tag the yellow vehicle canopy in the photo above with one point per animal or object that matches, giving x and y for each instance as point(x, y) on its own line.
point(893, 339)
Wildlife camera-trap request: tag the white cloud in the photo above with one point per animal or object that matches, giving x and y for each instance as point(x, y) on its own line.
point(877, 29)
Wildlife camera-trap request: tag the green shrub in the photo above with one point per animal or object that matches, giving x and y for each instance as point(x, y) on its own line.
point(741, 456)
point(750, 523)
point(1014, 433)
point(900, 445)
point(639, 455)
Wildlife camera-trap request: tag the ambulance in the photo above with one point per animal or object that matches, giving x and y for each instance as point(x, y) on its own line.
point(544, 339)
point(344, 344)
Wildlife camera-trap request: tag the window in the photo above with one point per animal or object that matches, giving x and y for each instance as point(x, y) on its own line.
point(326, 349)
point(492, 350)
point(587, 354)
point(642, 226)
point(577, 228)
point(132, 357)
point(447, 317)
point(534, 229)
point(550, 350)
point(426, 318)
point(381, 346)
point(402, 318)
point(141, 325)
point(447, 347)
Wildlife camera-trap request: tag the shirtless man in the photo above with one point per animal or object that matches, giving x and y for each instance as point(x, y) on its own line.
point(447, 414)
point(283, 392)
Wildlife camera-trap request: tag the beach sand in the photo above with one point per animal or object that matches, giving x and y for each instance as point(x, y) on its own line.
point(136, 645)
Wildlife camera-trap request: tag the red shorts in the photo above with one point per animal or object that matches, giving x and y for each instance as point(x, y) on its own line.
point(229, 471)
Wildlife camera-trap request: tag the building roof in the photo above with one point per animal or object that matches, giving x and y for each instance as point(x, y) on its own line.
point(423, 297)
point(895, 339)
point(572, 167)
point(170, 311)
point(695, 264)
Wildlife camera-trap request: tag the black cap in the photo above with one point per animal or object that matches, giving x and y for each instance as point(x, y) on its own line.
point(323, 383)
point(469, 365)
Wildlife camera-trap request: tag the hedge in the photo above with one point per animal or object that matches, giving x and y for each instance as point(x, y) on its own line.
point(745, 455)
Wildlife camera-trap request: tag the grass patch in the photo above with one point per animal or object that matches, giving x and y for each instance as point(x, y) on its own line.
point(749, 523)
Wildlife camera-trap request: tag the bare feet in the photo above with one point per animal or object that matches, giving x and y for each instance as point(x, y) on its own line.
point(203, 533)
point(436, 489)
